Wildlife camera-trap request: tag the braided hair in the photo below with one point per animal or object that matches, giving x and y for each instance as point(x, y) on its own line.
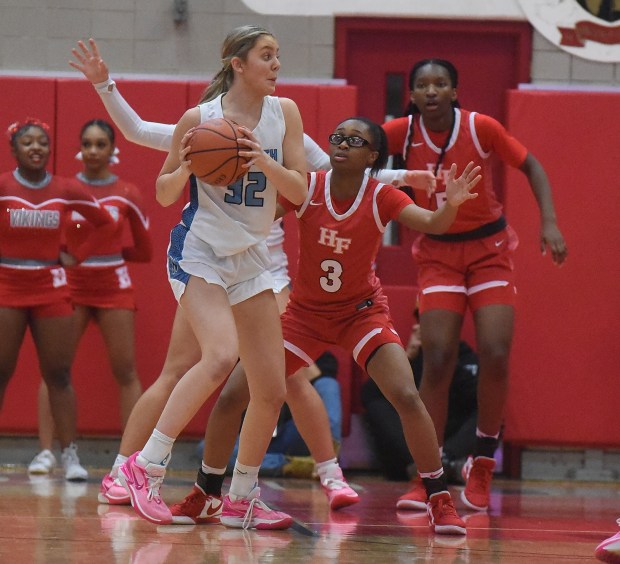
point(412, 109)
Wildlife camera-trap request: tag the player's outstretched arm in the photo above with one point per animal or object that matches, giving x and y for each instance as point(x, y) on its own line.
point(418, 179)
point(150, 134)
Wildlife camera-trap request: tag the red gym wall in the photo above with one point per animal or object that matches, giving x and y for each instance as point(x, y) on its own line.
point(564, 382)
point(66, 104)
point(564, 385)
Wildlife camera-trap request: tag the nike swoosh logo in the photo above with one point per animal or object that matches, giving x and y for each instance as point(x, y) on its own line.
point(313, 203)
point(214, 509)
point(498, 243)
point(133, 479)
point(417, 144)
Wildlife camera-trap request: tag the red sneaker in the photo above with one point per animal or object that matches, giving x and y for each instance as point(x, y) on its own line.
point(477, 473)
point(197, 508)
point(415, 499)
point(442, 515)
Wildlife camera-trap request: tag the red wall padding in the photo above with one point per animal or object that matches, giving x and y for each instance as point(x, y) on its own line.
point(564, 380)
point(67, 104)
point(564, 383)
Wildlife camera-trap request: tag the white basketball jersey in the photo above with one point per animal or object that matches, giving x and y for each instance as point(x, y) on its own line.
point(234, 218)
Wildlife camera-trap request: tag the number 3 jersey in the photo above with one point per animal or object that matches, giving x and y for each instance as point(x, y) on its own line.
point(339, 241)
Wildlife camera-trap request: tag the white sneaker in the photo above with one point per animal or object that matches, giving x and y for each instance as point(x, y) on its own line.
point(74, 471)
point(42, 463)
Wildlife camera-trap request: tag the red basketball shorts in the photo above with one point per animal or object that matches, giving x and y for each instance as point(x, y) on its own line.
point(453, 275)
point(308, 334)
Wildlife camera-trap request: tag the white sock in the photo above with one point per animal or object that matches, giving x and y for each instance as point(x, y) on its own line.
point(118, 462)
point(244, 480)
point(479, 433)
point(329, 470)
point(210, 470)
point(432, 475)
point(157, 449)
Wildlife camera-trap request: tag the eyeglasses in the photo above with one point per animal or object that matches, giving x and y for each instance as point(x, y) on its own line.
point(352, 140)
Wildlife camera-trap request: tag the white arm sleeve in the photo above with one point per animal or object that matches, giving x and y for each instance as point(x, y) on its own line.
point(393, 177)
point(316, 158)
point(133, 127)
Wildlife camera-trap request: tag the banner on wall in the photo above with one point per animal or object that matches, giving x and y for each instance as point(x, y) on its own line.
point(586, 28)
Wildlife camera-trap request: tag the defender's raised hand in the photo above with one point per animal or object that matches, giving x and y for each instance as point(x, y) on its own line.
point(459, 190)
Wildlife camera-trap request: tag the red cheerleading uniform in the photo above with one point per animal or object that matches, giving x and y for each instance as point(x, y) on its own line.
point(102, 280)
point(471, 263)
point(32, 222)
point(337, 298)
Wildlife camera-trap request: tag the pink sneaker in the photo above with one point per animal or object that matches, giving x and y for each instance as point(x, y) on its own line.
point(143, 485)
point(112, 491)
point(339, 493)
point(415, 499)
point(252, 513)
point(197, 508)
point(152, 553)
point(609, 549)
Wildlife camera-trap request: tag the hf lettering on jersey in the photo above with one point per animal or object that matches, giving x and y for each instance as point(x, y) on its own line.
point(329, 238)
point(46, 219)
point(442, 177)
point(442, 173)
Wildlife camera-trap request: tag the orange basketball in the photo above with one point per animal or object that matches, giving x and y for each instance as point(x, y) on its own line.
point(214, 152)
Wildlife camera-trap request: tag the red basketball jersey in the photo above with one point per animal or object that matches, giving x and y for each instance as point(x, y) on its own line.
point(475, 138)
point(32, 220)
point(123, 202)
point(338, 248)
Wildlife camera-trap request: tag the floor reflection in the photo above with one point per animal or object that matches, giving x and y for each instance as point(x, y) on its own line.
point(44, 519)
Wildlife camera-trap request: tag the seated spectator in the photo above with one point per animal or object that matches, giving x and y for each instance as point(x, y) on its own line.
point(288, 454)
point(387, 433)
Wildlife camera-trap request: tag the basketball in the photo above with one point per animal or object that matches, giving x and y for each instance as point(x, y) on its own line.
point(214, 152)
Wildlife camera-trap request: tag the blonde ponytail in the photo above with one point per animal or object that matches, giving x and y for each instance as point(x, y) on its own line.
point(237, 44)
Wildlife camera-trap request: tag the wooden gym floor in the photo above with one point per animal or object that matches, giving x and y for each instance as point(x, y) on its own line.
point(47, 520)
